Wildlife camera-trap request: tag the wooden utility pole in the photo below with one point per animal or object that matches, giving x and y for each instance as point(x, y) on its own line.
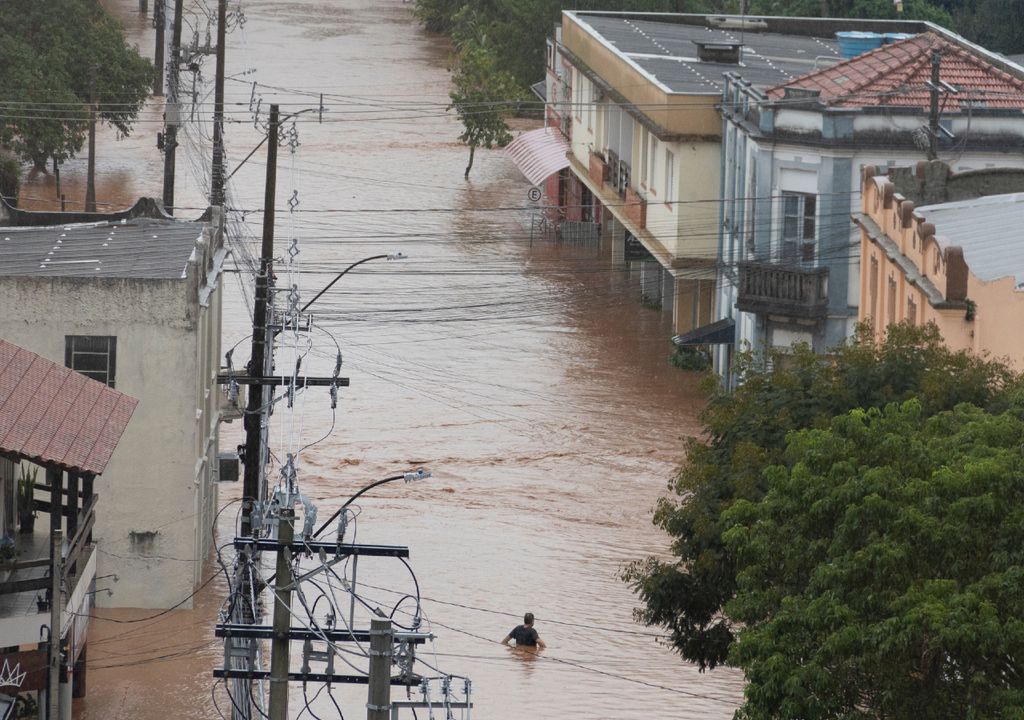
point(56, 571)
point(160, 21)
point(933, 109)
point(217, 174)
point(282, 617)
point(172, 111)
point(378, 701)
point(253, 416)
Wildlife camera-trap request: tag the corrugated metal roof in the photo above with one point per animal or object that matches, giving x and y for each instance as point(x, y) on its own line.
point(668, 51)
point(896, 75)
point(140, 248)
point(987, 229)
point(539, 153)
point(54, 416)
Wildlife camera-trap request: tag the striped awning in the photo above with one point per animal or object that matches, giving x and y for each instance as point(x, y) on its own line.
point(539, 153)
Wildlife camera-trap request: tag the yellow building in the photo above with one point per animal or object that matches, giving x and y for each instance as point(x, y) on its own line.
point(957, 264)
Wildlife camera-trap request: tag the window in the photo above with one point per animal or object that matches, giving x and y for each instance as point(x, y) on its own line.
point(891, 301)
point(873, 280)
point(590, 106)
point(577, 92)
point(798, 220)
point(911, 311)
point(652, 163)
point(670, 177)
point(92, 355)
point(643, 155)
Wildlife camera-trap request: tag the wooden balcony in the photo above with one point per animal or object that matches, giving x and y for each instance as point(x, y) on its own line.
point(787, 290)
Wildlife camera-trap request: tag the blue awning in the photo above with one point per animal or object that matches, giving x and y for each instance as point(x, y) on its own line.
point(720, 332)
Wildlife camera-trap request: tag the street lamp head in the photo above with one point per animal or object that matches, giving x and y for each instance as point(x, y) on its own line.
point(397, 256)
point(420, 474)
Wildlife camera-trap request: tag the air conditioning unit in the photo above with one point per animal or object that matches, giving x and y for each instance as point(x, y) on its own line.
point(227, 467)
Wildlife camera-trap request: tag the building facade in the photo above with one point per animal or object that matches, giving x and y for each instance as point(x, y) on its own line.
point(135, 303)
point(792, 155)
point(955, 264)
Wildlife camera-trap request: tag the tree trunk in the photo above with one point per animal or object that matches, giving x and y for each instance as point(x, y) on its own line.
point(90, 179)
point(472, 150)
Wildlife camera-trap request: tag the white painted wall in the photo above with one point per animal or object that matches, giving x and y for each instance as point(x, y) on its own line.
point(161, 478)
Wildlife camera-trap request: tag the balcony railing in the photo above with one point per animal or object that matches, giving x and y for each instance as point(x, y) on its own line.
point(783, 289)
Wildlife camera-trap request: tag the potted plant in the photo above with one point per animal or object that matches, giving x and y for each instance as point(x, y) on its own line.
point(26, 500)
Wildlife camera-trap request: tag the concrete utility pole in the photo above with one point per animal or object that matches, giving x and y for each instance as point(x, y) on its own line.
point(160, 22)
point(282, 617)
point(378, 701)
point(56, 572)
point(933, 110)
point(217, 174)
point(172, 113)
point(253, 416)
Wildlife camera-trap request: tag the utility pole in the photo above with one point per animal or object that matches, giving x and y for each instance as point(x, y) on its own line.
point(90, 173)
point(56, 572)
point(282, 616)
point(160, 22)
point(378, 701)
point(172, 112)
point(217, 174)
point(933, 110)
point(253, 416)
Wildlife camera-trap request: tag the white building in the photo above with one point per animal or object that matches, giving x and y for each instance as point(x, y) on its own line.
point(792, 158)
point(134, 303)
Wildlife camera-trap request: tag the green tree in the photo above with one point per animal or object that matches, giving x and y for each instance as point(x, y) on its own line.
point(74, 66)
point(882, 573)
point(746, 432)
point(483, 97)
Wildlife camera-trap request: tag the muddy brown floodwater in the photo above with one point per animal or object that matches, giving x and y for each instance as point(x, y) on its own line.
point(526, 376)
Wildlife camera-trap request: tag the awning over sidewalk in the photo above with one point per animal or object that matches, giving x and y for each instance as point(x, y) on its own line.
point(539, 153)
point(720, 332)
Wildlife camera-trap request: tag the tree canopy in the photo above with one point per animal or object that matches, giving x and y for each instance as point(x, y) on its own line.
point(60, 57)
point(882, 573)
point(518, 28)
point(483, 95)
point(746, 434)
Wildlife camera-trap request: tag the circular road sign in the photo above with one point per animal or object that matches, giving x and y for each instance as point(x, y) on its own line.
point(533, 194)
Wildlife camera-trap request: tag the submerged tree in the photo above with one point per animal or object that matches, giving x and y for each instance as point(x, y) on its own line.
point(69, 66)
point(746, 434)
point(483, 97)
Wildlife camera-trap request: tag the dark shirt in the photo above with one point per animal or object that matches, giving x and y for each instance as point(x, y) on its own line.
point(524, 635)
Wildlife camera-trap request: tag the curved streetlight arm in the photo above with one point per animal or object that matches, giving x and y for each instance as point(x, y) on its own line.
point(420, 474)
point(387, 256)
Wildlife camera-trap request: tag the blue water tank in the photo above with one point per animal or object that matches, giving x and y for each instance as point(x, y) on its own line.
point(853, 43)
point(895, 37)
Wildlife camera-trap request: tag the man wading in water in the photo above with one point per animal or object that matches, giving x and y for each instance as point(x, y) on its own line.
point(525, 635)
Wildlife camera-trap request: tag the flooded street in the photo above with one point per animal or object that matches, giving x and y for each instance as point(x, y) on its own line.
point(527, 377)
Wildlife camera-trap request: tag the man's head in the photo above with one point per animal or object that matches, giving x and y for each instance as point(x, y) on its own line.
point(528, 619)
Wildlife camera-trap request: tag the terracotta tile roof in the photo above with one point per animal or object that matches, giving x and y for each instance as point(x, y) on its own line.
point(54, 416)
point(896, 75)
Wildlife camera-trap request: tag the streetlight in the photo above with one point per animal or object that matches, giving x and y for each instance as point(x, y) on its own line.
point(420, 474)
point(387, 256)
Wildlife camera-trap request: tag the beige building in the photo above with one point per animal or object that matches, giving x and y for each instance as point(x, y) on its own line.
point(957, 264)
point(639, 98)
point(135, 303)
